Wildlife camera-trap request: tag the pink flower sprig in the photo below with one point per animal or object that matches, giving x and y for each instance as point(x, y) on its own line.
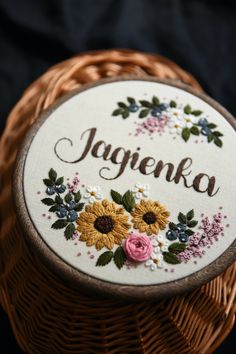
point(209, 233)
point(152, 125)
point(72, 187)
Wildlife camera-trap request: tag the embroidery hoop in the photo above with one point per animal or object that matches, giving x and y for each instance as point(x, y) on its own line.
point(77, 278)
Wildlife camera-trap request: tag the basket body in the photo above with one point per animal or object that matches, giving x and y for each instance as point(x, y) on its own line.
point(48, 316)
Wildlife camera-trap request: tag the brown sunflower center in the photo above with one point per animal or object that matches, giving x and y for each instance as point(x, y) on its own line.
point(149, 218)
point(104, 224)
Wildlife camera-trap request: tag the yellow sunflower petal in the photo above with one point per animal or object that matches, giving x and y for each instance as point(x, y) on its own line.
point(98, 209)
point(87, 217)
point(99, 244)
point(108, 241)
point(83, 237)
point(84, 227)
point(154, 229)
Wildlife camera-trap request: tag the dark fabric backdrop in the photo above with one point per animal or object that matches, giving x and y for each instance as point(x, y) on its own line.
point(35, 34)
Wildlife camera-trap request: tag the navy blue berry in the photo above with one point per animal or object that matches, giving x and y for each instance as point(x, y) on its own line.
point(133, 107)
point(183, 237)
point(172, 235)
point(181, 227)
point(50, 190)
point(203, 122)
point(72, 215)
point(61, 213)
point(61, 189)
point(71, 205)
point(155, 112)
point(163, 106)
point(206, 131)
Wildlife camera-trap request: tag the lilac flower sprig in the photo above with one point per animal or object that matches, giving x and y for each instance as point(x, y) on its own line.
point(209, 233)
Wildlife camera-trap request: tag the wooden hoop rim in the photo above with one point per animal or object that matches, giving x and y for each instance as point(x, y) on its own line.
point(79, 280)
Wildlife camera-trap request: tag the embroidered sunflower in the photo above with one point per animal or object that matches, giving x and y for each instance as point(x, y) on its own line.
point(150, 216)
point(103, 224)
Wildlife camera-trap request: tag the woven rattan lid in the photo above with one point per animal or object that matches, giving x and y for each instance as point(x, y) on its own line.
point(126, 186)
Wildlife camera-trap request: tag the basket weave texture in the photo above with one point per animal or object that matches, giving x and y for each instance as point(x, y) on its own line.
point(47, 316)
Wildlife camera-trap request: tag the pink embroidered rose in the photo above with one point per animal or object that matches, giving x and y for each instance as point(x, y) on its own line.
point(138, 247)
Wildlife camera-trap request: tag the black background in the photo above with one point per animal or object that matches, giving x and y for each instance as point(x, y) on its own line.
point(35, 34)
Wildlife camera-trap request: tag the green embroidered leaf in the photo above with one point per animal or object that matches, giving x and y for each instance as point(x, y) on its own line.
point(104, 258)
point(77, 196)
point(186, 134)
point(48, 182)
point(119, 257)
point(131, 100)
point(173, 104)
point(189, 232)
point(177, 247)
point(192, 223)
point(145, 103)
point(59, 224)
point(155, 101)
point(128, 201)
point(211, 125)
point(143, 113)
point(187, 109)
point(69, 231)
point(190, 214)
point(196, 113)
point(68, 198)
point(125, 114)
point(194, 130)
point(182, 218)
point(122, 105)
point(59, 181)
point(47, 201)
point(52, 175)
point(218, 141)
point(210, 138)
point(170, 258)
point(117, 111)
point(53, 208)
point(218, 133)
point(58, 199)
point(117, 197)
point(79, 207)
point(172, 226)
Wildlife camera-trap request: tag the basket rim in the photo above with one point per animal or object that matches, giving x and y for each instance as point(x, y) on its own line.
point(76, 278)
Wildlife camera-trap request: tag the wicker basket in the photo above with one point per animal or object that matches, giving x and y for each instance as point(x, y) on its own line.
point(46, 315)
